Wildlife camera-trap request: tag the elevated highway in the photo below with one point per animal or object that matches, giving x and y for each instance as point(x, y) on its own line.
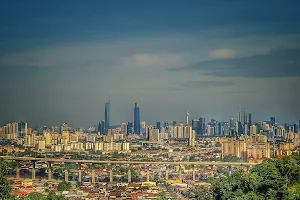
point(128, 162)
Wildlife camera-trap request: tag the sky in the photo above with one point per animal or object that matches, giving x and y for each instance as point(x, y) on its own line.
point(61, 60)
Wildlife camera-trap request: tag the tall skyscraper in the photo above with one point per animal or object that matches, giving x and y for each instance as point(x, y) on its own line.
point(250, 120)
point(158, 126)
point(231, 123)
point(220, 128)
point(245, 116)
point(137, 120)
point(239, 116)
point(296, 127)
point(272, 121)
point(129, 128)
point(99, 127)
point(195, 123)
point(201, 126)
point(102, 127)
point(22, 129)
point(107, 116)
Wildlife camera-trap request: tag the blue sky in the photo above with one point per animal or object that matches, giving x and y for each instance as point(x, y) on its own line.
point(59, 60)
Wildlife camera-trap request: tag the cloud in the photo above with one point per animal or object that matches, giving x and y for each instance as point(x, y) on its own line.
point(278, 63)
point(222, 53)
point(150, 60)
point(202, 84)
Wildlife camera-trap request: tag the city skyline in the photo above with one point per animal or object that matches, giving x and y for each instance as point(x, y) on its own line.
point(60, 60)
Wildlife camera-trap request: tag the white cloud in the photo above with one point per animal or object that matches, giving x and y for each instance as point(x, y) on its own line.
point(222, 53)
point(151, 60)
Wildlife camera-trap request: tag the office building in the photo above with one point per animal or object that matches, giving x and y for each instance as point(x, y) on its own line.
point(22, 129)
point(195, 123)
point(201, 126)
point(129, 128)
point(245, 117)
point(107, 117)
point(250, 119)
point(137, 120)
point(272, 121)
point(158, 126)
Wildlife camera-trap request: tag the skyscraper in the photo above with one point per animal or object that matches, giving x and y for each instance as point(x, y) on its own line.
point(158, 126)
point(239, 116)
point(231, 123)
point(129, 128)
point(99, 127)
point(245, 117)
point(201, 126)
point(136, 120)
point(107, 116)
point(195, 123)
point(22, 129)
point(272, 121)
point(250, 120)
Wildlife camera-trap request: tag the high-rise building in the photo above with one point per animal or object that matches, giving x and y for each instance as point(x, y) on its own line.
point(102, 126)
point(64, 127)
point(201, 126)
point(22, 129)
point(226, 128)
point(195, 123)
point(99, 127)
point(158, 126)
point(107, 116)
point(245, 116)
point(143, 128)
point(175, 123)
point(123, 127)
point(220, 128)
point(137, 120)
point(296, 128)
point(239, 116)
point(231, 123)
point(250, 120)
point(129, 128)
point(272, 121)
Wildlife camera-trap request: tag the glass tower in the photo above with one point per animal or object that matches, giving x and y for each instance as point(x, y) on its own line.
point(107, 116)
point(137, 119)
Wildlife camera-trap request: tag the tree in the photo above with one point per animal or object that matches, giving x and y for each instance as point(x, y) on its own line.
point(63, 186)
point(4, 184)
point(35, 196)
point(272, 179)
point(51, 196)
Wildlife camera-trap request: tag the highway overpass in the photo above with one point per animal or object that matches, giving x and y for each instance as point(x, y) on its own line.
point(246, 164)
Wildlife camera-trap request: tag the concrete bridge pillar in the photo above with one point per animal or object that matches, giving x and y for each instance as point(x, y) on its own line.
point(33, 170)
point(180, 174)
point(80, 176)
point(194, 174)
point(129, 175)
point(17, 170)
point(49, 170)
point(111, 176)
point(93, 177)
point(148, 176)
point(66, 176)
point(167, 175)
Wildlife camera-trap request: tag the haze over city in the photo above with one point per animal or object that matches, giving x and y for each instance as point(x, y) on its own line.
point(60, 60)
